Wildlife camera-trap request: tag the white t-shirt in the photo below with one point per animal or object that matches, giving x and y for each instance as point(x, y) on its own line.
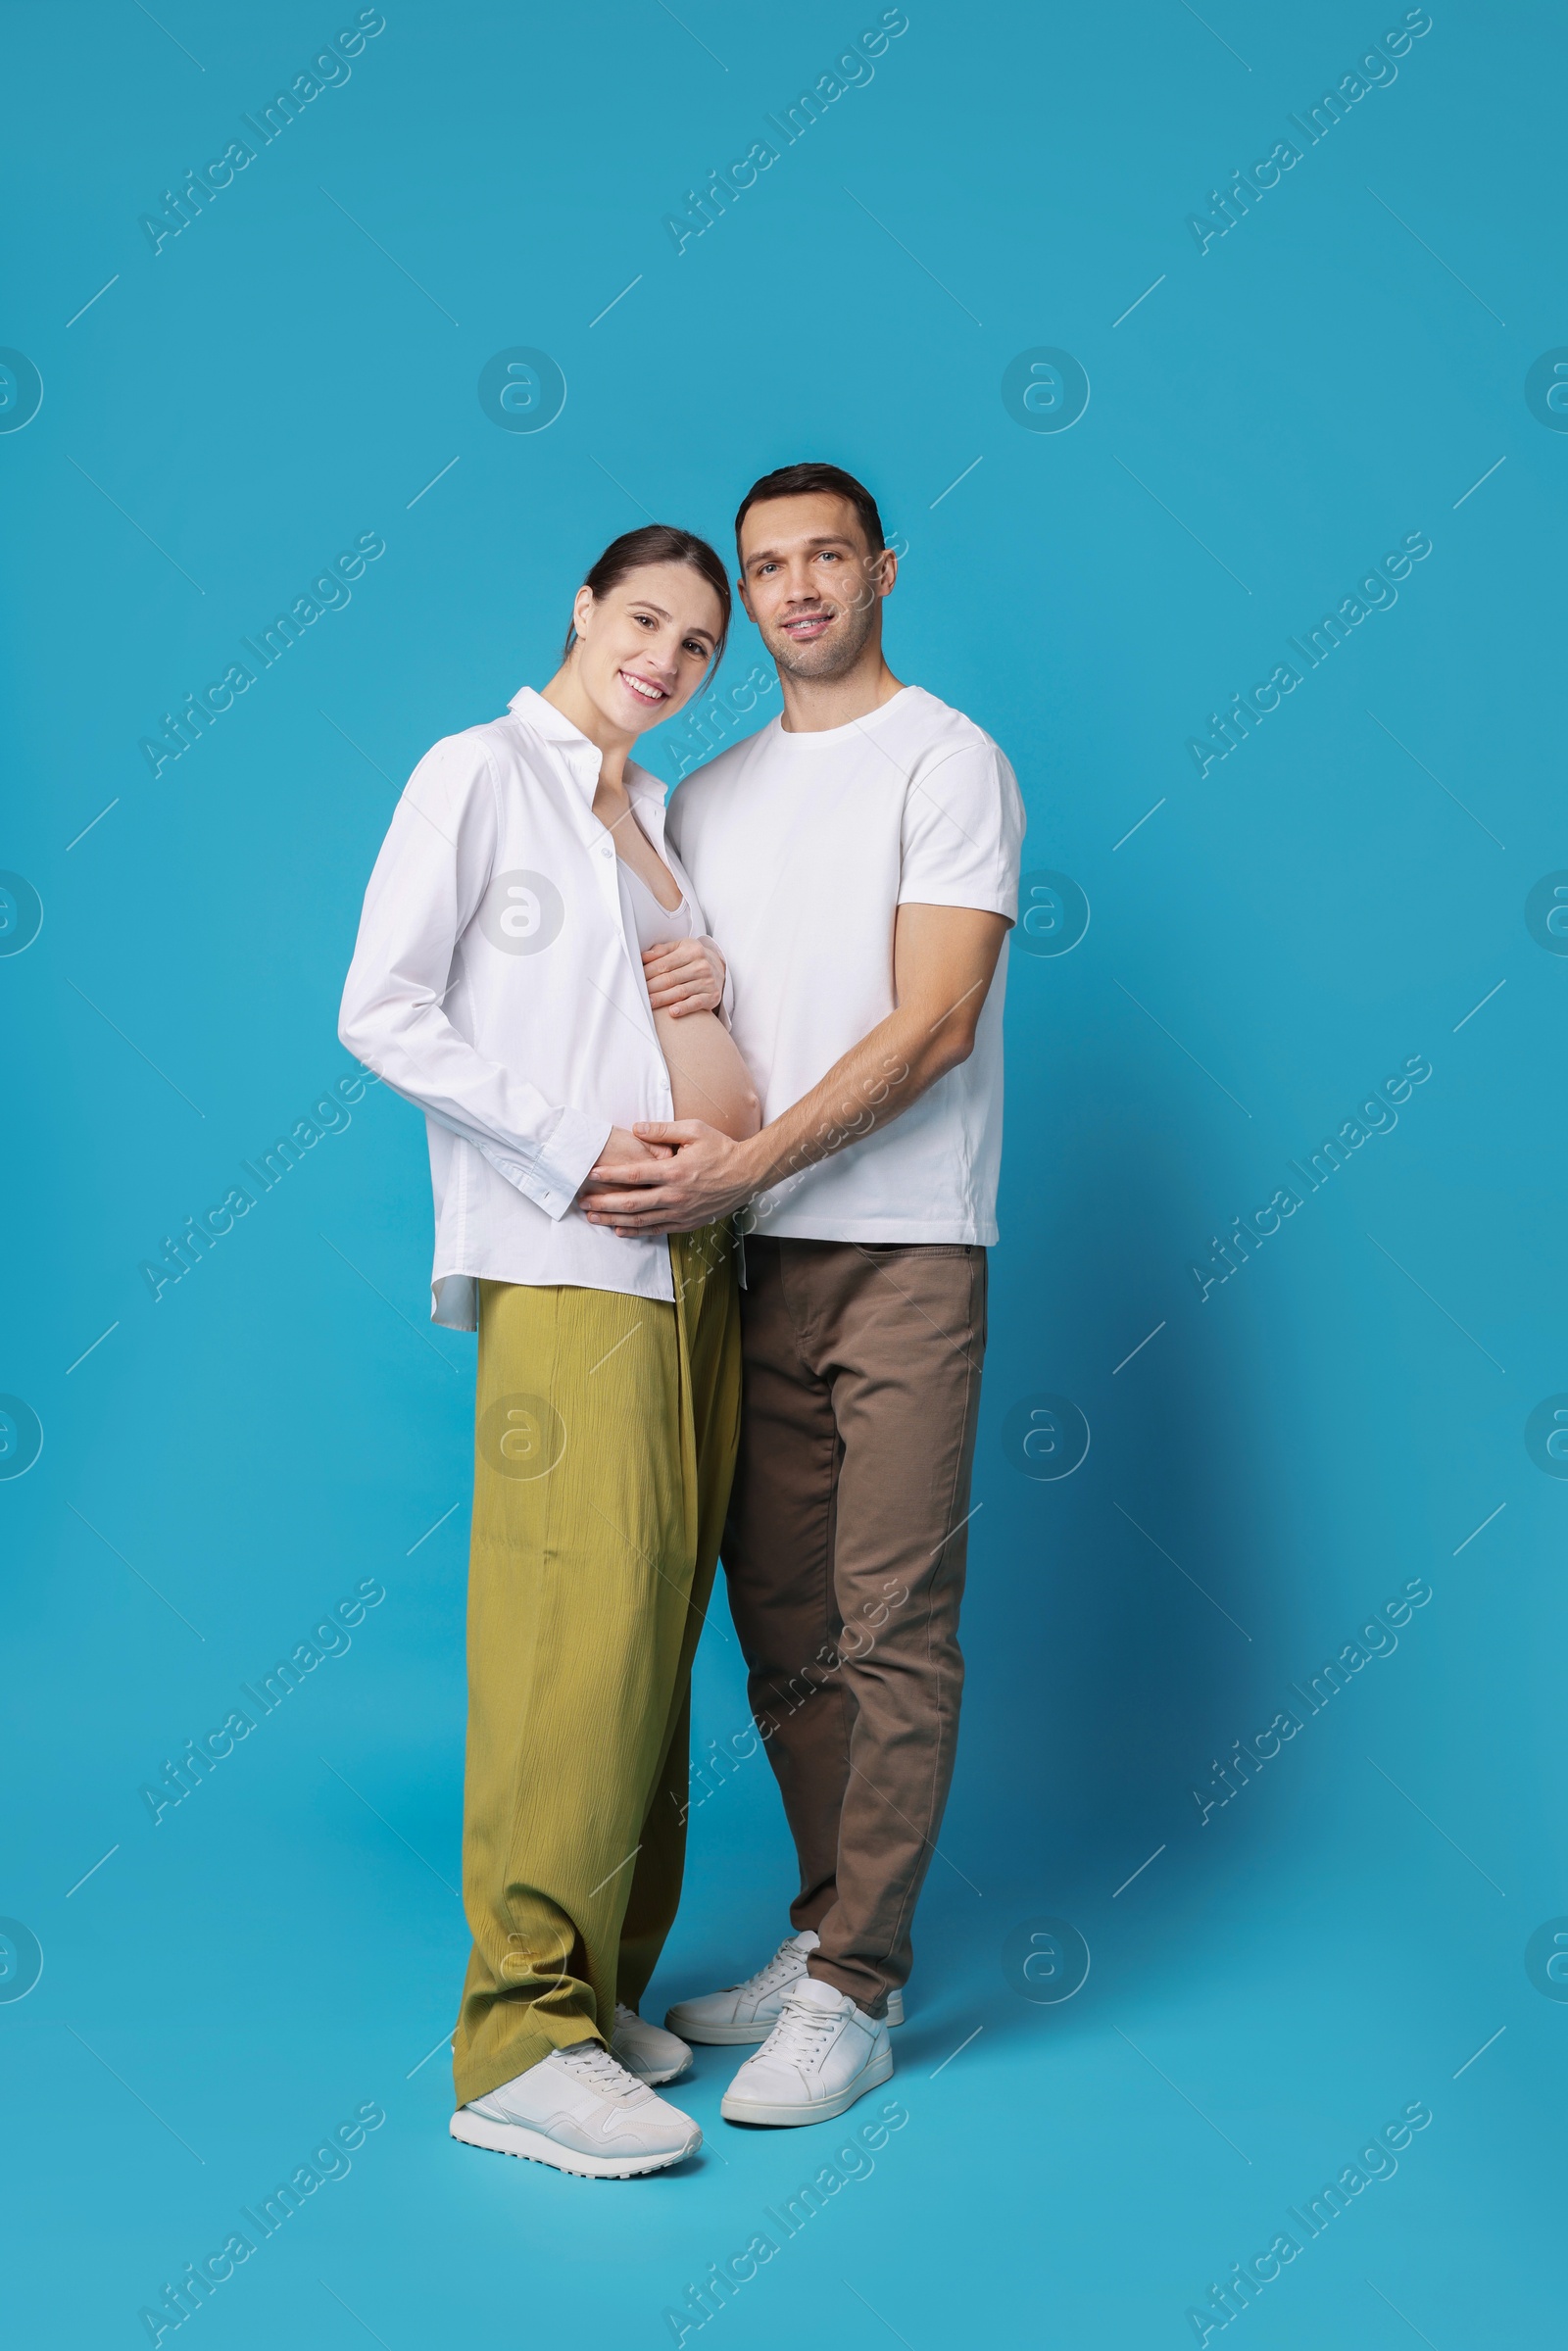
point(801, 848)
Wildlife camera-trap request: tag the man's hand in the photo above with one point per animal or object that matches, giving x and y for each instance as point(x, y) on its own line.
point(699, 1175)
point(685, 976)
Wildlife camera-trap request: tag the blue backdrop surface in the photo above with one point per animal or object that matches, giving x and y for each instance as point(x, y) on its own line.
point(1212, 372)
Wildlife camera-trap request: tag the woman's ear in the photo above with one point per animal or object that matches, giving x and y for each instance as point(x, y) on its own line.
point(582, 609)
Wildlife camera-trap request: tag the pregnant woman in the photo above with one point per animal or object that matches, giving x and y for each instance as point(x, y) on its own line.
point(532, 970)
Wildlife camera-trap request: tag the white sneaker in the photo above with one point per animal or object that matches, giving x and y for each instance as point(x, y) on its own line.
point(748, 2011)
point(580, 2111)
point(824, 2053)
point(643, 2049)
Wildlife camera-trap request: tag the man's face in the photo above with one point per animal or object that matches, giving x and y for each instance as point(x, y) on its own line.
point(811, 583)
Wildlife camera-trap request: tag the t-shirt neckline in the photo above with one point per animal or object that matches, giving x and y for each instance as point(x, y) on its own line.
point(824, 738)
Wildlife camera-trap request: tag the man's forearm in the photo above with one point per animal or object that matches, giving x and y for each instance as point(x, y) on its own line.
point(890, 1067)
point(943, 958)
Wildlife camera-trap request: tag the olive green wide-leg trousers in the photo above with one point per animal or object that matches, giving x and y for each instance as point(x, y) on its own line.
point(605, 1444)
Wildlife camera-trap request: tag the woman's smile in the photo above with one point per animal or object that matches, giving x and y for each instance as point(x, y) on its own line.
point(646, 689)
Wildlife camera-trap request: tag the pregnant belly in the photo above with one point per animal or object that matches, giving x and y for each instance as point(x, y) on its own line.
point(707, 1078)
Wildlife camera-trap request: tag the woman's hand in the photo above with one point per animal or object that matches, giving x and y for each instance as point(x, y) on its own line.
point(622, 1144)
point(686, 976)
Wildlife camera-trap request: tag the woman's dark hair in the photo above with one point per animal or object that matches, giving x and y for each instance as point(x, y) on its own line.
point(659, 543)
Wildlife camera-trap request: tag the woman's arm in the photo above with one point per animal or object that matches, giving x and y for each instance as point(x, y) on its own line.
point(430, 878)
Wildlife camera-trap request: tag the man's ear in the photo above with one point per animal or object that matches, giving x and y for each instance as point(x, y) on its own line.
point(741, 592)
point(887, 572)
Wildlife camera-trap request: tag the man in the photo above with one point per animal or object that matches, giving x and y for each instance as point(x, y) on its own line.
point(859, 860)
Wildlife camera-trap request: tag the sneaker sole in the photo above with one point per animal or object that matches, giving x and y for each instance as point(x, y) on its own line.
point(736, 2037)
point(753, 2110)
point(515, 2139)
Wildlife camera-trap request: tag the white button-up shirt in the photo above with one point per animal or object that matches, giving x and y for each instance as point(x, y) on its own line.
point(492, 983)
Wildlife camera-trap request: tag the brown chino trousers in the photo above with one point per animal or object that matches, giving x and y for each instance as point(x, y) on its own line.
point(845, 1553)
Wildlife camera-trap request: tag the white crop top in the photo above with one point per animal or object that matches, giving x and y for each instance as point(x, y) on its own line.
point(648, 923)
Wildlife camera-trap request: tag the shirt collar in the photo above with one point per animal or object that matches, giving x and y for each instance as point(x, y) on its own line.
point(642, 786)
point(544, 719)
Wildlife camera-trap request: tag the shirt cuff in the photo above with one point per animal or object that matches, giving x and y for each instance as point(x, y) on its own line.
point(552, 1175)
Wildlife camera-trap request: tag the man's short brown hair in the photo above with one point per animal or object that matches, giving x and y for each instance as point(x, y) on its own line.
point(800, 482)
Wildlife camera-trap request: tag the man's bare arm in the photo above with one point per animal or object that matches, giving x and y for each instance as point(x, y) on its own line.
point(944, 959)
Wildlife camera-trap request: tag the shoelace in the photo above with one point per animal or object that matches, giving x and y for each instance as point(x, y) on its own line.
point(787, 1960)
point(601, 2071)
point(802, 2031)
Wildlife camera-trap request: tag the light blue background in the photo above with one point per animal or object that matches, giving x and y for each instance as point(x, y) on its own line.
point(1264, 951)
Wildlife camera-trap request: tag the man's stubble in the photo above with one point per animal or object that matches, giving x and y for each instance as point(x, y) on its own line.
point(830, 658)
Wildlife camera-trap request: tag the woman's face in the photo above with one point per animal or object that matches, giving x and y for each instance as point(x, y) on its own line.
point(644, 646)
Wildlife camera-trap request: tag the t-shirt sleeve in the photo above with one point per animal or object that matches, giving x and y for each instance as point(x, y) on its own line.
point(962, 832)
